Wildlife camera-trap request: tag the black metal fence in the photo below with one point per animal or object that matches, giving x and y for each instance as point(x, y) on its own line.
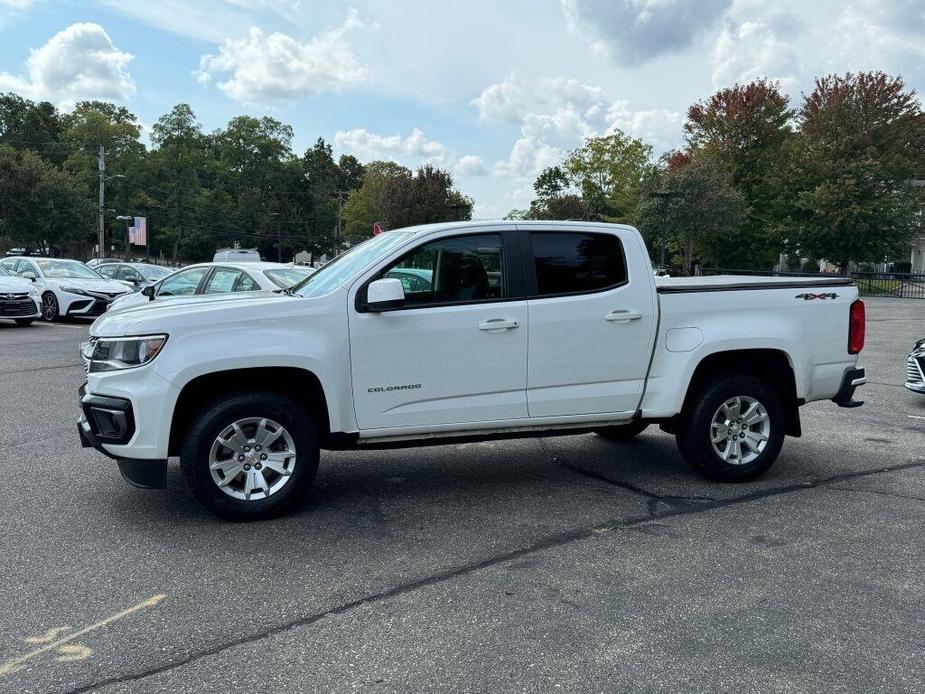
point(902, 285)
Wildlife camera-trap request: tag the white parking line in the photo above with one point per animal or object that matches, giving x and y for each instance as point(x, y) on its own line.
point(60, 325)
point(915, 416)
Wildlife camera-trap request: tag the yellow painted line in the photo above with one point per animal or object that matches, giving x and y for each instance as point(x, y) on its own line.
point(14, 664)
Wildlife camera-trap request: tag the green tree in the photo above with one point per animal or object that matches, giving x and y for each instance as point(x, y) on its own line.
point(364, 206)
point(95, 124)
point(35, 126)
point(847, 194)
point(175, 168)
point(252, 157)
point(425, 197)
point(41, 206)
point(745, 129)
point(609, 172)
point(700, 223)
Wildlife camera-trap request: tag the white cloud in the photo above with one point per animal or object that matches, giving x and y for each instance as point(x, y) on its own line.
point(751, 50)
point(556, 115)
point(638, 30)
point(512, 100)
point(885, 35)
point(470, 165)
point(660, 128)
point(77, 63)
point(412, 150)
point(272, 67)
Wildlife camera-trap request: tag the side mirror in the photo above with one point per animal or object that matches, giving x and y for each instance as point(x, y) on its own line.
point(385, 294)
point(148, 292)
point(28, 275)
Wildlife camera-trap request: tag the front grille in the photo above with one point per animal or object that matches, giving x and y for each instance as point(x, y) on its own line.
point(17, 305)
point(914, 370)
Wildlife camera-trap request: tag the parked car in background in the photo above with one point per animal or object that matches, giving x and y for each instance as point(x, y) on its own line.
point(236, 255)
point(97, 262)
point(19, 299)
point(137, 275)
point(67, 287)
point(217, 278)
point(915, 368)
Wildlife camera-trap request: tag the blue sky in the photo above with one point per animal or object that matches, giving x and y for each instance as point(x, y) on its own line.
point(492, 91)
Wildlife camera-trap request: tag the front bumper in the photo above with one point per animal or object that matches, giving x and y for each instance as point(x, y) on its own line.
point(89, 304)
point(852, 379)
point(915, 372)
point(106, 420)
point(19, 306)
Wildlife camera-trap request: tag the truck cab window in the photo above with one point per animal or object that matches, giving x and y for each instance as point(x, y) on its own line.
point(462, 269)
point(568, 263)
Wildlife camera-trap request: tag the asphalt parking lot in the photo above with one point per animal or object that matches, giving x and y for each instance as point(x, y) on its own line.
point(563, 564)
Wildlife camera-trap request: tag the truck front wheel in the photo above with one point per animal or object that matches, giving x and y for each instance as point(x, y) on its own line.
point(734, 430)
point(251, 456)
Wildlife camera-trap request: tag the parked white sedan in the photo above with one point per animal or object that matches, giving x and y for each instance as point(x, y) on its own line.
point(217, 278)
point(19, 299)
point(67, 287)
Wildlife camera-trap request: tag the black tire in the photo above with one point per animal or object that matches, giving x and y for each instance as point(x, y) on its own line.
point(50, 308)
point(214, 419)
point(24, 321)
point(622, 432)
point(695, 429)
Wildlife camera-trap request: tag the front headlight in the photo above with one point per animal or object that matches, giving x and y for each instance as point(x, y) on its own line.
point(34, 294)
point(74, 290)
point(116, 353)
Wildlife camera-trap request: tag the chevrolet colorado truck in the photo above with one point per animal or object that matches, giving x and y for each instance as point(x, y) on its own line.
point(464, 331)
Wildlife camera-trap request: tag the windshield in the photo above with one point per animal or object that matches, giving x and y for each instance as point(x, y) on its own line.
point(152, 272)
point(3, 272)
point(345, 266)
point(287, 277)
point(67, 268)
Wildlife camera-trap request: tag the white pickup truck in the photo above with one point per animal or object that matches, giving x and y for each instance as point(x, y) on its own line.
point(464, 331)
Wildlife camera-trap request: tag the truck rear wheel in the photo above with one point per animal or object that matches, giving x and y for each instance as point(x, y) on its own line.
point(251, 456)
point(622, 432)
point(734, 430)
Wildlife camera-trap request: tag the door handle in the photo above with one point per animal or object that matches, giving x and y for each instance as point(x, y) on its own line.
point(622, 316)
point(498, 324)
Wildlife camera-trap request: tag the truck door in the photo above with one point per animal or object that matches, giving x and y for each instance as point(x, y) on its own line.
point(456, 352)
point(591, 323)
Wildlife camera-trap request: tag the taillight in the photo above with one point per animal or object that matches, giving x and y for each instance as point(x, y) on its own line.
point(856, 323)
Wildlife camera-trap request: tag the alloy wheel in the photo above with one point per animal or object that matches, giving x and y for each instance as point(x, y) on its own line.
point(49, 307)
point(739, 430)
point(252, 458)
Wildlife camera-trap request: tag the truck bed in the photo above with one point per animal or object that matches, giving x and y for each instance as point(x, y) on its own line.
point(719, 283)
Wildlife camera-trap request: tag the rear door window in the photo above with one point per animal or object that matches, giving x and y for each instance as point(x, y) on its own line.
point(222, 280)
point(571, 262)
point(183, 283)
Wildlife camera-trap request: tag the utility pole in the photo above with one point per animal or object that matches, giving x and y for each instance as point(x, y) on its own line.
point(340, 212)
point(666, 197)
point(102, 201)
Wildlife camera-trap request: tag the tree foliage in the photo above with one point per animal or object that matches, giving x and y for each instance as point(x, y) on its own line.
point(847, 194)
point(424, 197)
point(746, 130)
point(829, 179)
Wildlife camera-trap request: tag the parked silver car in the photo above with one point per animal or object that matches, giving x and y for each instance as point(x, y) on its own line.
point(915, 368)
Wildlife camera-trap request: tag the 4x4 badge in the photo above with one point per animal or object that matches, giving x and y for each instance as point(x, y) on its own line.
point(810, 297)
